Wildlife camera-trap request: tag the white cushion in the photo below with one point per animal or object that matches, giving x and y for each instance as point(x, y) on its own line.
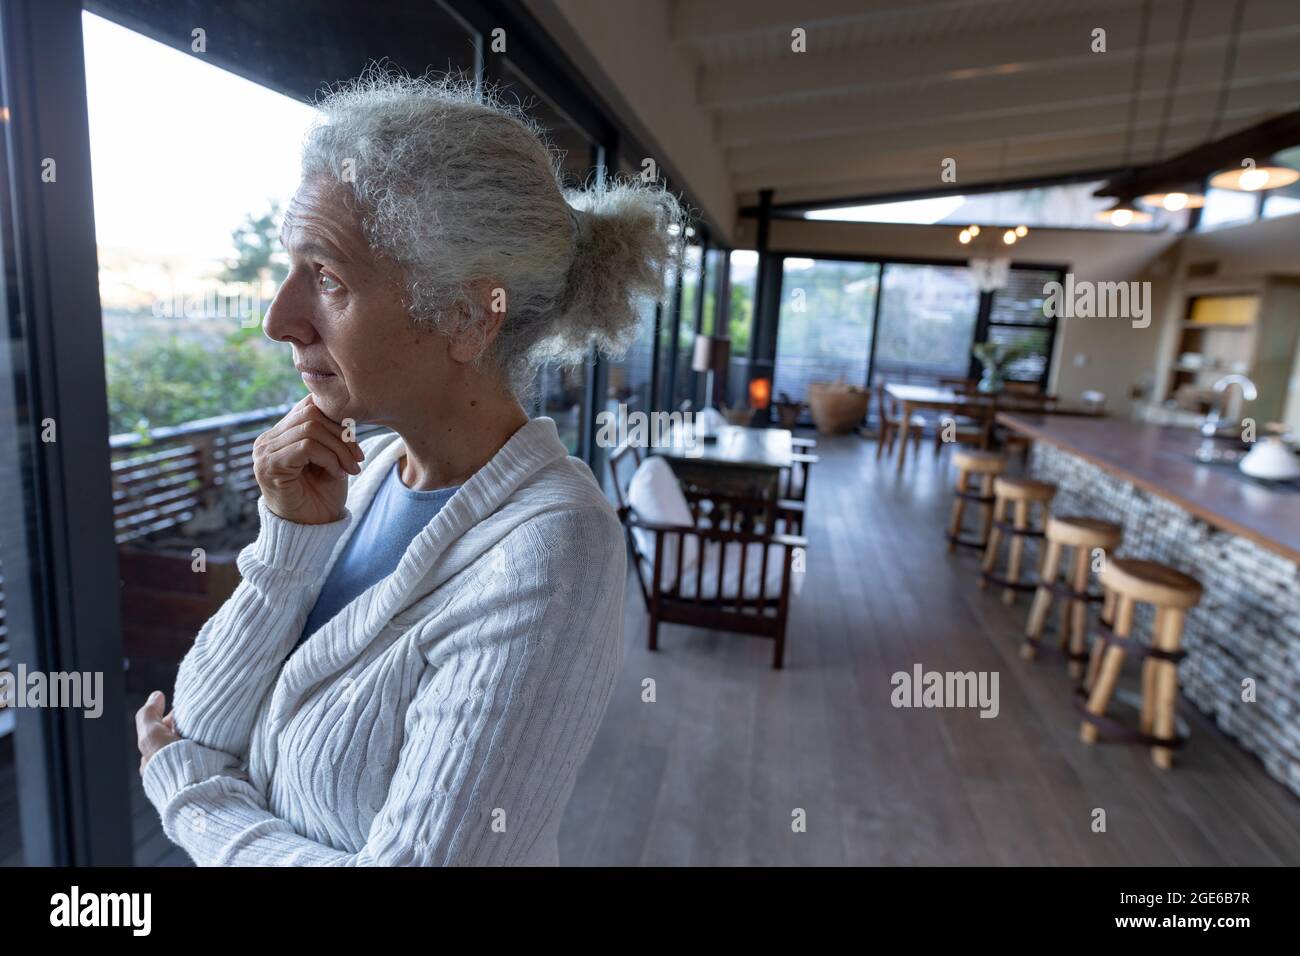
point(731, 573)
point(656, 497)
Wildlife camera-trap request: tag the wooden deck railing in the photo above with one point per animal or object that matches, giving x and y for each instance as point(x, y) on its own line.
point(162, 478)
point(159, 481)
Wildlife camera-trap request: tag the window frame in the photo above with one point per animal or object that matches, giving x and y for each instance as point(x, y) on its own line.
point(982, 322)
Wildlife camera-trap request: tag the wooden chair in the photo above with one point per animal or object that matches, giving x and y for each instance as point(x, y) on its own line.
point(891, 424)
point(972, 424)
point(792, 484)
point(963, 385)
point(741, 581)
point(1024, 397)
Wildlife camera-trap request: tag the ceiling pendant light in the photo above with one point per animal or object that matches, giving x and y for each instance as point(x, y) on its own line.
point(1182, 195)
point(1251, 178)
point(1022, 231)
point(1123, 214)
point(1009, 237)
point(1175, 200)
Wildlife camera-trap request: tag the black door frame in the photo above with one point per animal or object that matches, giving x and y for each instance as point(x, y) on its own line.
point(772, 302)
point(64, 615)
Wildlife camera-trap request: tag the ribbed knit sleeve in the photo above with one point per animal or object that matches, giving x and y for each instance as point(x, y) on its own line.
point(238, 652)
point(517, 681)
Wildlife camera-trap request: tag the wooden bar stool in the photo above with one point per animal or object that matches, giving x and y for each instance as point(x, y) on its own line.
point(1126, 582)
point(1023, 493)
point(1085, 536)
point(988, 465)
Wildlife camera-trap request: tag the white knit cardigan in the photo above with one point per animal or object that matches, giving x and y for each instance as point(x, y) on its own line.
point(438, 719)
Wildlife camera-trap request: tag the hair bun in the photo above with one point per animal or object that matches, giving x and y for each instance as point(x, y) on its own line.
point(623, 244)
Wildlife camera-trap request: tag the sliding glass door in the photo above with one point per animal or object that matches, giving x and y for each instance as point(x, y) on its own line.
point(872, 322)
point(928, 315)
point(1016, 319)
point(828, 308)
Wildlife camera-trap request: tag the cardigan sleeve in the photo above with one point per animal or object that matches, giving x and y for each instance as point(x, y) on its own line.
point(237, 654)
point(508, 707)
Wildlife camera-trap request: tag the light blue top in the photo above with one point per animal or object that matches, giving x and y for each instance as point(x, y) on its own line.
point(395, 516)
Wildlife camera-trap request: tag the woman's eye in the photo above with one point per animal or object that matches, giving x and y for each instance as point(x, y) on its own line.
point(328, 283)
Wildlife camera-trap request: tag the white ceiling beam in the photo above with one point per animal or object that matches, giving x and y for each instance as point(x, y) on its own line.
point(990, 97)
point(1023, 51)
point(696, 21)
point(921, 169)
point(957, 136)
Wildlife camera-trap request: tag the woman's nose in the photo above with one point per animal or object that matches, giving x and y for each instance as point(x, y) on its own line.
point(287, 318)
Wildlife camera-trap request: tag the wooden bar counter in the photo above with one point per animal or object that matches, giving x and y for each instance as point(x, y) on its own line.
point(1240, 538)
point(1160, 460)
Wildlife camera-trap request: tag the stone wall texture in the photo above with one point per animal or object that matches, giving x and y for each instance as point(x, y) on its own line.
point(1247, 624)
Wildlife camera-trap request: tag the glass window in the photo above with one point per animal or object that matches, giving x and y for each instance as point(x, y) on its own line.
point(683, 378)
point(1282, 202)
point(20, 517)
point(1064, 207)
point(826, 313)
point(188, 262)
point(630, 379)
point(1227, 207)
point(743, 265)
point(561, 390)
point(927, 324)
point(182, 295)
point(1017, 319)
point(573, 146)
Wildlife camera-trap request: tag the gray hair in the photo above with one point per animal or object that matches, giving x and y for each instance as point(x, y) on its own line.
point(456, 187)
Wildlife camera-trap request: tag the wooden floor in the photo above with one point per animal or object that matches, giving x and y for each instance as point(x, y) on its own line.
point(711, 773)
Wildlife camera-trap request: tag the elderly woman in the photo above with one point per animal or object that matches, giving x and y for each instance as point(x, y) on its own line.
point(429, 624)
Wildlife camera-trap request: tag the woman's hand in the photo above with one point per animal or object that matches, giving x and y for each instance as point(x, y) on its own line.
point(302, 464)
point(153, 731)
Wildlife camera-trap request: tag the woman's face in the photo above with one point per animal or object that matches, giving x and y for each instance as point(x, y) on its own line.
point(341, 309)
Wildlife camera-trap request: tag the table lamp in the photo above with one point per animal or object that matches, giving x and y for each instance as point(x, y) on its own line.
point(712, 354)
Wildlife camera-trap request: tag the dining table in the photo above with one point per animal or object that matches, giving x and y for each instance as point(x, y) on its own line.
point(911, 398)
point(740, 462)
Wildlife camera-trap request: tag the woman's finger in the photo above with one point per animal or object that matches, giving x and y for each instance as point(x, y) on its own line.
point(272, 454)
point(150, 712)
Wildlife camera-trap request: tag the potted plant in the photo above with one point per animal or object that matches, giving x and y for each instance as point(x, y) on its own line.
point(996, 358)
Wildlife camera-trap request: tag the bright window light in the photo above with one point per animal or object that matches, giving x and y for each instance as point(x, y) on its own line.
point(923, 211)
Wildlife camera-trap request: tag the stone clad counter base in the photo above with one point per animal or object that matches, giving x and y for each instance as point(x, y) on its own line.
point(1246, 626)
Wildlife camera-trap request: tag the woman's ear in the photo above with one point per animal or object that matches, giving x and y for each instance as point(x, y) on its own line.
point(486, 298)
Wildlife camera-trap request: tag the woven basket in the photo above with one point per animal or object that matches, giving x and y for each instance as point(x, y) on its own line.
point(837, 407)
